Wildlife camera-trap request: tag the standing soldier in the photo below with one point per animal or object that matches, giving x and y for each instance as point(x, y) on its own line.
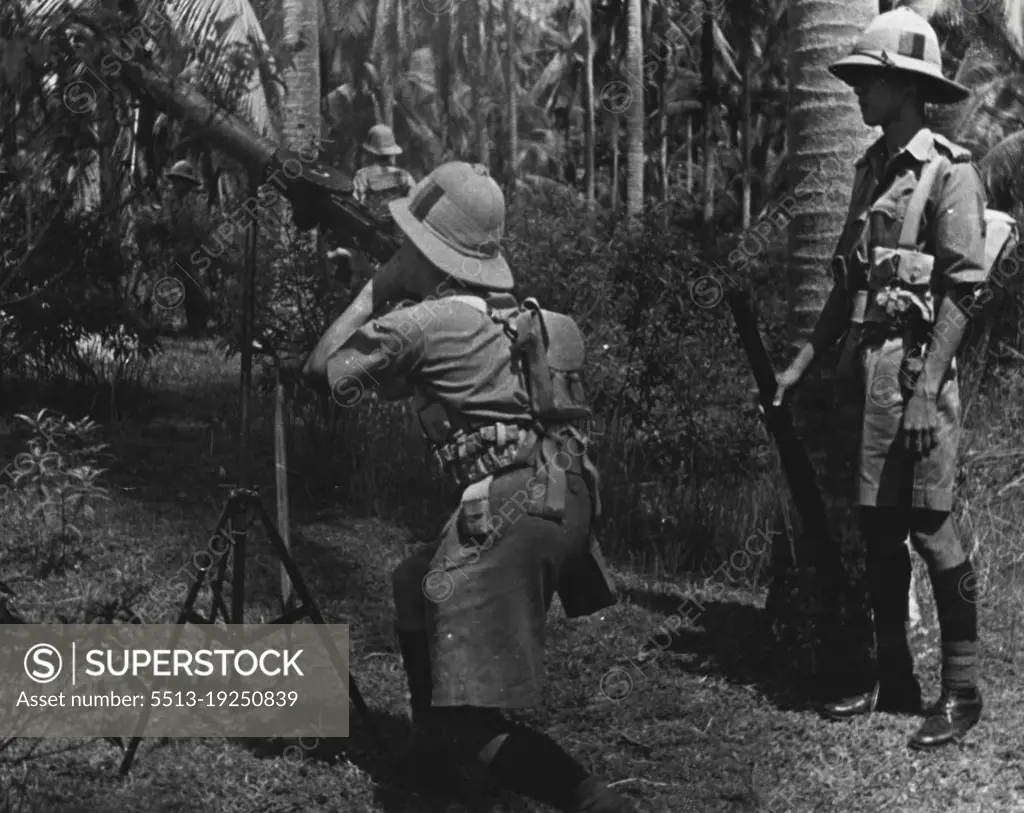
point(376, 185)
point(907, 269)
point(500, 399)
point(380, 181)
point(178, 221)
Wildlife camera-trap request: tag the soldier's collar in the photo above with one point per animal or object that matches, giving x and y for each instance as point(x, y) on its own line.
point(921, 148)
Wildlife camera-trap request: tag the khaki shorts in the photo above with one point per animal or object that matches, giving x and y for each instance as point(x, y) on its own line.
point(871, 393)
point(486, 602)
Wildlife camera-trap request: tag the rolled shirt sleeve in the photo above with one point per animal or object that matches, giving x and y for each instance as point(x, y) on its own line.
point(960, 227)
point(382, 354)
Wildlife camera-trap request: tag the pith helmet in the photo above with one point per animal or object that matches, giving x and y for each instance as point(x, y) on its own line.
point(456, 218)
point(902, 40)
point(381, 141)
point(184, 171)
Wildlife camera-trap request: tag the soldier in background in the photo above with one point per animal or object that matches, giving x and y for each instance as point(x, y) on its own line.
point(900, 299)
point(177, 220)
point(375, 185)
point(380, 181)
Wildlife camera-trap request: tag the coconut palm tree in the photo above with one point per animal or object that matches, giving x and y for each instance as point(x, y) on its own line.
point(635, 115)
point(824, 123)
point(511, 85)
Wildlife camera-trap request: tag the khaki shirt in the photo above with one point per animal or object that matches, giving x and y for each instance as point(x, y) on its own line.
point(377, 185)
point(953, 227)
point(451, 352)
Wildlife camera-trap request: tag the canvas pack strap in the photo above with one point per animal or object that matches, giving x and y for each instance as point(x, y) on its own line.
point(914, 218)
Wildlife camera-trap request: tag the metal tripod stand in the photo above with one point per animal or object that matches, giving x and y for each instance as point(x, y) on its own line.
point(244, 502)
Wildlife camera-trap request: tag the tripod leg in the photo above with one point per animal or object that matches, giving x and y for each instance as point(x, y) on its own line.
point(217, 582)
point(238, 577)
point(314, 613)
point(187, 610)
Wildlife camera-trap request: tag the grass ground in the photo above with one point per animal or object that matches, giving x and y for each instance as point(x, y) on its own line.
point(707, 723)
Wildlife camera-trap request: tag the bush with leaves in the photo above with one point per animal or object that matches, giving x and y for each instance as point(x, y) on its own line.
point(50, 490)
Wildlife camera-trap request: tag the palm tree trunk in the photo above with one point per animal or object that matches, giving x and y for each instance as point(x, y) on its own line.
point(442, 55)
point(590, 134)
point(665, 71)
point(746, 145)
point(481, 85)
point(689, 154)
point(383, 52)
point(707, 61)
point(613, 135)
point(824, 124)
point(300, 108)
point(511, 89)
point(635, 125)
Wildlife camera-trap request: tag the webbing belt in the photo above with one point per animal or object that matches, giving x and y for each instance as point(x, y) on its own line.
point(473, 457)
point(503, 447)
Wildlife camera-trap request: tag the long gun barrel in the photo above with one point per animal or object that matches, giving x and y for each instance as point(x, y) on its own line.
point(796, 465)
point(320, 195)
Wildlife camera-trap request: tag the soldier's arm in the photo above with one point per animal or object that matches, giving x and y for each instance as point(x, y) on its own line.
point(382, 354)
point(959, 268)
point(385, 285)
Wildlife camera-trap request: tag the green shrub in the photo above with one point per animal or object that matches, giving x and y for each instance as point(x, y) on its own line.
point(50, 490)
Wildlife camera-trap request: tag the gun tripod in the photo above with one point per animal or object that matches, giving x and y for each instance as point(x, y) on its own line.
point(246, 503)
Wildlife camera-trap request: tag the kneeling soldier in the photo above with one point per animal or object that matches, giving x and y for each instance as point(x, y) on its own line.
point(911, 255)
point(500, 399)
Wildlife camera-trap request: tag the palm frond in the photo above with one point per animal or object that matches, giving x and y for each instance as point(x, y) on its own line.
point(1000, 168)
point(229, 28)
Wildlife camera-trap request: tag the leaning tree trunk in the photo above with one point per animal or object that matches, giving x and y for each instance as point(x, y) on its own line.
point(825, 134)
point(635, 123)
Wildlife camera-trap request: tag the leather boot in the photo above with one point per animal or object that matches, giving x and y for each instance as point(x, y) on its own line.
point(531, 764)
point(949, 720)
point(893, 695)
point(594, 796)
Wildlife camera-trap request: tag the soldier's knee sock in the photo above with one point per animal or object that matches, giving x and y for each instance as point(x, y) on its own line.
point(415, 648)
point(532, 764)
point(956, 597)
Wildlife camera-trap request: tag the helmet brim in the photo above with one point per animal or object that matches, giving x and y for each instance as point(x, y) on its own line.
point(493, 274)
point(384, 151)
point(183, 178)
point(937, 89)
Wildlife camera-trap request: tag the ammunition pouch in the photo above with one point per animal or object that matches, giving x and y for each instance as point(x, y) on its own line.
point(471, 457)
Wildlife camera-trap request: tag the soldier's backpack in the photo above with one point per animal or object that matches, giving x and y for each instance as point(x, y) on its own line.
point(549, 347)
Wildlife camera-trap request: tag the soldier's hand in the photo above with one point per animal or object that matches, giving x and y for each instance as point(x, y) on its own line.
point(784, 382)
point(920, 425)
